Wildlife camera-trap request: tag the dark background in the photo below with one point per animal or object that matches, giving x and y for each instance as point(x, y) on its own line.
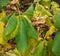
point(58, 1)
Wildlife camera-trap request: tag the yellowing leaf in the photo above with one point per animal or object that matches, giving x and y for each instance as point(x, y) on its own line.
point(17, 17)
point(50, 31)
point(1, 32)
point(36, 13)
point(48, 22)
point(46, 3)
point(2, 15)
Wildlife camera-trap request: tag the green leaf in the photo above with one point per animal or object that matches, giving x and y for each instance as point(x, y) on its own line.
point(29, 12)
point(38, 8)
point(44, 52)
point(42, 10)
point(54, 6)
point(56, 19)
point(46, 3)
point(13, 33)
point(3, 3)
point(50, 44)
point(5, 20)
point(31, 31)
point(22, 38)
point(37, 0)
point(11, 25)
point(25, 30)
point(39, 49)
point(56, 44)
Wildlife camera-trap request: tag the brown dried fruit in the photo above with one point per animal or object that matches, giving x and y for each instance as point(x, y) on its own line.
point(14, 2)
point(38, 21)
